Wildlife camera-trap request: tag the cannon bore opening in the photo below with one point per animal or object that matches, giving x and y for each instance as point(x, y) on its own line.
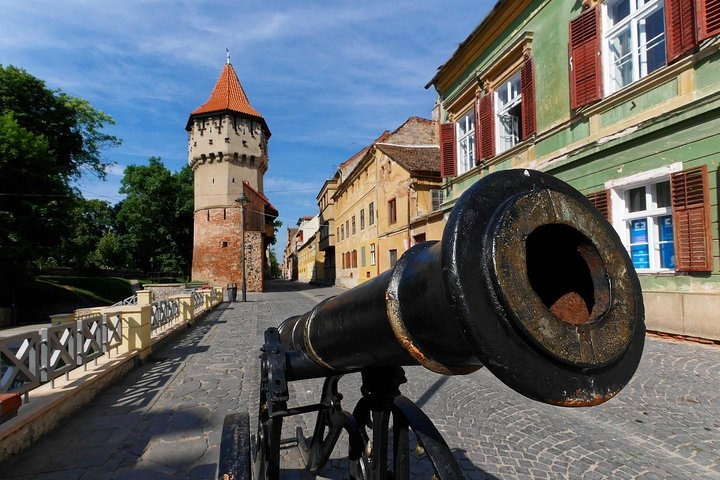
point(567, 273)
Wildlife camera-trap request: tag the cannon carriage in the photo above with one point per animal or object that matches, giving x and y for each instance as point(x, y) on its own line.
point(529, 281)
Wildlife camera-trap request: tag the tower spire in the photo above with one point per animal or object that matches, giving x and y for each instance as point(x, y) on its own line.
point(227, 60)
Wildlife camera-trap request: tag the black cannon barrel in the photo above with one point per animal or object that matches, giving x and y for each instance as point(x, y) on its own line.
point(529, 280)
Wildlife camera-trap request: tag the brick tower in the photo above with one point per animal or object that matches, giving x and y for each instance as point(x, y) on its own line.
point(227, 150)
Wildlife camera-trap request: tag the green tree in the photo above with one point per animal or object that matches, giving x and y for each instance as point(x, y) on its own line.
point(47, 139)
point(92, 220)
point(155, 219)
point(109, 254)
point(274, 265)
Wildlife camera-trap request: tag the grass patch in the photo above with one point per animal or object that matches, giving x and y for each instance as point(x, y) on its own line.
point(83, 291)
point(97, 290)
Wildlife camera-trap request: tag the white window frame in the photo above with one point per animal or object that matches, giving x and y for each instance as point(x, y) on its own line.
point(638, 45)
point(505, 140)
point(465, 140)
point(437, 198)
point(619, 197)
point(372, 254)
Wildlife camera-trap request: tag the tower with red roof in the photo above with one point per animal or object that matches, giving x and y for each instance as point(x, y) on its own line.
point(227, 150)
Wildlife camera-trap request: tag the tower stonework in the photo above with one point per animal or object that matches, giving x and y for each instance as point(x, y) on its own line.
point(227, 151)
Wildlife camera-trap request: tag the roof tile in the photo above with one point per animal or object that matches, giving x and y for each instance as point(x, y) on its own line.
point(228, 94)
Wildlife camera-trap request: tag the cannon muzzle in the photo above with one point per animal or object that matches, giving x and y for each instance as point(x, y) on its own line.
point(528, 280)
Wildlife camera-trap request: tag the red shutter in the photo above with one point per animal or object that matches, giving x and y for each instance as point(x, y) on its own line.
point(527, 88)
point(487, 127)
point(585, 65)
point(708, 18)
point(680, 26)
point(601, 201)
point(448, 165)
point(691, 220)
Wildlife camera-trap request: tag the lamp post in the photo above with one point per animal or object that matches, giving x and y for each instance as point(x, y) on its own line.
point(242, 200)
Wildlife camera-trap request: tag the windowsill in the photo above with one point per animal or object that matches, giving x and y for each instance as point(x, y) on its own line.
point(656, 273)
point(655, 79)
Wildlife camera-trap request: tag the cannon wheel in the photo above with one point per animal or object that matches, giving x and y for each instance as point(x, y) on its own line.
point(405, 416)
point(234, 463)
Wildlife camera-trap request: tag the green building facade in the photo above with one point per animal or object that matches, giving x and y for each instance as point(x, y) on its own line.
point(619, 98)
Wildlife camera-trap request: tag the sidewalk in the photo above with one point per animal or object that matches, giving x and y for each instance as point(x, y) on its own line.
point(164, 419)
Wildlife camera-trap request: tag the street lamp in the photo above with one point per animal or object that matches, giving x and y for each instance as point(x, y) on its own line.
point(242, 200)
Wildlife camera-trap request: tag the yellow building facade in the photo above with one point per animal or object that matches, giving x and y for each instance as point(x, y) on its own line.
point(311, 261)
point(388, 190)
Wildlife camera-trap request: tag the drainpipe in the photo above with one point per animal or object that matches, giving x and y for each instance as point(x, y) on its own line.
point(411, 188)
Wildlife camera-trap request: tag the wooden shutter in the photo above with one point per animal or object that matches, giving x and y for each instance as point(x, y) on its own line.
point(601, 201)
point(585, 64)
point(527, 88)
point(691, 220)
point(680, 28)
point(708, 18)
point(448, 164)
point(487, 127)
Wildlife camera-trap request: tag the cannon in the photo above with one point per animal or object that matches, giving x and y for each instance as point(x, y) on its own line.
point(529, 281)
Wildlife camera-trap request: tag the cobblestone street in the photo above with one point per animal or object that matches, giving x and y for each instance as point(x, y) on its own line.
point(164, 419)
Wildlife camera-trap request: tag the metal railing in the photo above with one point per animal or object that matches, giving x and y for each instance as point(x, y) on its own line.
point(164, 312)
point(131, 300)
point(215, 295)
point(29, 360)
point(198, 300)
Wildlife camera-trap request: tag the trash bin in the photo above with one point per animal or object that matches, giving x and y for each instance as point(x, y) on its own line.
point(232, 292)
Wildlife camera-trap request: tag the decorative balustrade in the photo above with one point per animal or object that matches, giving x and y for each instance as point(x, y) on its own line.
point(164, 312)
point(29, 360)
point(198, 301)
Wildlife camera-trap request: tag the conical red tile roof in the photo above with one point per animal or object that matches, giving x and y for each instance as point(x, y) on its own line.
point(228, 94)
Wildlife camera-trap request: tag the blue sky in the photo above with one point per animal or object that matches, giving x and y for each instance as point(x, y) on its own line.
point(328, 77)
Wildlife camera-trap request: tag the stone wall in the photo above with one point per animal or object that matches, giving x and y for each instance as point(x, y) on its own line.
point(217, 248)
point(163, 291)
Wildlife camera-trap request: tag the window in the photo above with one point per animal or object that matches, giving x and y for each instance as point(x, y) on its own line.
point(362, 219)
point(392, 211)
point(362, 257)
point(392, 254)
point(372, 254)
point(664, 222)
point(418, 238)
point(371, 213)
point(343, 261)
point(347, 228)
point(508, 114)
point(503, 117)
point(647, 222)
point(354, 259)
point(637, 37)
point(465, 142)
point(353, 224)
point(633, 41)
point(342, 232)
point(437, 197)
point(337, 233)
